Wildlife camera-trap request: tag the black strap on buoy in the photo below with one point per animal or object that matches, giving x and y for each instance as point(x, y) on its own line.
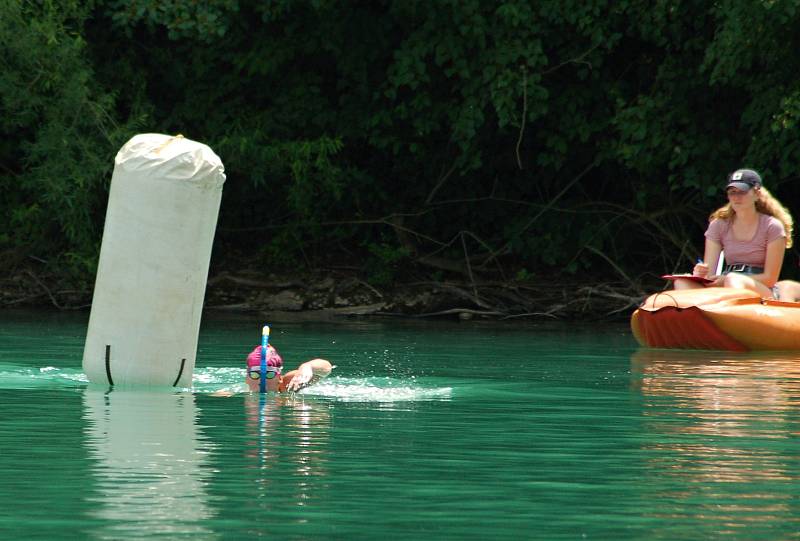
point(108, 364)
point(180, 372)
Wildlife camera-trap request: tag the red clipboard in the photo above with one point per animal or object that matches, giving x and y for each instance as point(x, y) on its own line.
point(699, 279)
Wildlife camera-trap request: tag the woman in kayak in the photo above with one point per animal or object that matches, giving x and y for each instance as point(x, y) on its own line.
point(304, 375)
point(754, 230)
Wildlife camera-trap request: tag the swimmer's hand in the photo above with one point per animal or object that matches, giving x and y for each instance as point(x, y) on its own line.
point(302, 377)
point(309, 372)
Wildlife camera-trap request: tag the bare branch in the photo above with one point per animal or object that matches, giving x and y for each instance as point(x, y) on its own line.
point(46, 289)
point(439, 184)
point(460, 311)
point(577, 60)
point(552, 202)
point(469, 267)
point(524, 113)
point(614, 265)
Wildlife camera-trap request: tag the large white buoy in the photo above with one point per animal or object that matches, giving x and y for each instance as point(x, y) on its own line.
point(151, 276)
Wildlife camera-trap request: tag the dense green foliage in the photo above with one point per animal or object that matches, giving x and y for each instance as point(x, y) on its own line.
point(58, 133)
point(453, 136)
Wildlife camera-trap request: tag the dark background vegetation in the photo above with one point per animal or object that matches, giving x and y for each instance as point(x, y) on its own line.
point(523, 141)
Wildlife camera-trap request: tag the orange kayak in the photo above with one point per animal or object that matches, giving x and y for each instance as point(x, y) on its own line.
point(716, 318)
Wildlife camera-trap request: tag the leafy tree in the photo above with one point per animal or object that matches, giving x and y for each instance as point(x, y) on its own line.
point(510, 136)
point(59, 135)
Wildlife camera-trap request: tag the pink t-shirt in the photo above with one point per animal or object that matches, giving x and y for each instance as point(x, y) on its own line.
point(750, 252)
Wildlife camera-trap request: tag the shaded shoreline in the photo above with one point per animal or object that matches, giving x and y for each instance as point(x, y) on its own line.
point(330, 294)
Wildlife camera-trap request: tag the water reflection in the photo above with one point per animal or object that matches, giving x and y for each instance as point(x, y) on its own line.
point(150, 464)
point(721, 427)
point(288, 440)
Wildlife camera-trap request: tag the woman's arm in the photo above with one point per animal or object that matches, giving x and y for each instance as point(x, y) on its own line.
point(708, 267)
point(773, 263)
point(307, 373)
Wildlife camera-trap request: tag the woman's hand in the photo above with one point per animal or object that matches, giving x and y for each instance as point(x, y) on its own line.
point(301, 378)
point(700, 269)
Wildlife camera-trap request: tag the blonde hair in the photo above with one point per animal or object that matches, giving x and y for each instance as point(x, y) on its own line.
point(765, 204)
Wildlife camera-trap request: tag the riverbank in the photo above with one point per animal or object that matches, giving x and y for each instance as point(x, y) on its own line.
point(337, 293)
point(342, 292)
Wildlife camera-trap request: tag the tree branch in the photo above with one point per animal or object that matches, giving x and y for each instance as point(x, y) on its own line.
point(439, 184)
point(544, 209)
point(524, 113)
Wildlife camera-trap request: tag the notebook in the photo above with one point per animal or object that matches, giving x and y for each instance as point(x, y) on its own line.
point(699, 279)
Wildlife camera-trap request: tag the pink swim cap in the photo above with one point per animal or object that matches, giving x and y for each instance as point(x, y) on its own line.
point(273, 357)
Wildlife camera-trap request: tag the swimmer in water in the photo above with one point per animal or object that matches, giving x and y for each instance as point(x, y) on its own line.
point(304, 375)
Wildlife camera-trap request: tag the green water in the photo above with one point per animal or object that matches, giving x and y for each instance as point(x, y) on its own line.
point(427, 430)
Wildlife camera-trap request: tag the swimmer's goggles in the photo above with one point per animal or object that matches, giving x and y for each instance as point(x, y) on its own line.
point(254, 372)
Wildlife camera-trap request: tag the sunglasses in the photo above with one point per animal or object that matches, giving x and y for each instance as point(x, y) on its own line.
point(255, 372)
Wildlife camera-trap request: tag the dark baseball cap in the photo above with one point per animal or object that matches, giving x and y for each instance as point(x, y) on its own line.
point(743, 179)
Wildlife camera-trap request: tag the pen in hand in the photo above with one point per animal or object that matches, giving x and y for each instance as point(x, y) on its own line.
point(702, 270)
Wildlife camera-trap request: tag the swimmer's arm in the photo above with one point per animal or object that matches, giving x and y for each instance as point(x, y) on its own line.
point(308, 373)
